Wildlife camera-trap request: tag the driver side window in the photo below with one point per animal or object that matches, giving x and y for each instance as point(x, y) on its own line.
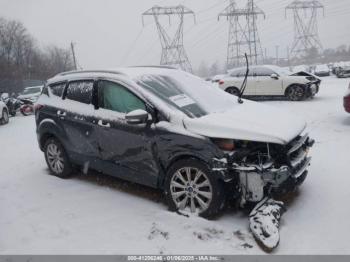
point(115, 97)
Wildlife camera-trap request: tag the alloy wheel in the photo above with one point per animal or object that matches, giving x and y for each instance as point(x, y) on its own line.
point(191, 190)
point(55, 158)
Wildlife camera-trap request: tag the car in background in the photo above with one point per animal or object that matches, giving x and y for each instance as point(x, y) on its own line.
point(4, 113)
point(155, 126)
point(31, 93)
point(300, 68)
point(322, 70)
point(347, 100)
point(217, 78)
point(268, 80)
point(343, 72)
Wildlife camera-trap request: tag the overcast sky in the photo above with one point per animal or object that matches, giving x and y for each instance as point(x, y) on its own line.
point(109, 33)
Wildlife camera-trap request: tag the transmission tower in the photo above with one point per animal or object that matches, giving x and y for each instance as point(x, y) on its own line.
point(305, 27)
point(243, 34)
point(173, 51)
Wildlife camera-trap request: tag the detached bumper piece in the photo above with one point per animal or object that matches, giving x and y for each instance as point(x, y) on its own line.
point(265, 222)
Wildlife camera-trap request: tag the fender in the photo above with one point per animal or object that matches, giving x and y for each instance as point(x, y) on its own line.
point(47, 128)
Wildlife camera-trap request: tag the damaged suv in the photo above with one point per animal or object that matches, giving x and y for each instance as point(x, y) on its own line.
point(168, 129)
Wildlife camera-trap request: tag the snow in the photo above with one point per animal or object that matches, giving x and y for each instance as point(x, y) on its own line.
point(42, 214)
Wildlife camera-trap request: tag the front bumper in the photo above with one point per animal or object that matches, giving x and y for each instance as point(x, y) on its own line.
point(267, 180)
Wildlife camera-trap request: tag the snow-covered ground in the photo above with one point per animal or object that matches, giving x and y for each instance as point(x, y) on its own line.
point(42, 214)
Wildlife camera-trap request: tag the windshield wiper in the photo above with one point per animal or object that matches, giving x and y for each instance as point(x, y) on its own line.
point(244, 84)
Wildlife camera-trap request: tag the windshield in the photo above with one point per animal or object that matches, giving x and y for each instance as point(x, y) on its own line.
point(29, 91)
point(187, 93)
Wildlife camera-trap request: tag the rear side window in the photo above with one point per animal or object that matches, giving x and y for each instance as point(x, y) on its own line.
point(57, 89)
point(262, 71)
point(80, 91)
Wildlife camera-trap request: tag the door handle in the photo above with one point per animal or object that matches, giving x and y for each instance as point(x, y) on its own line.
point(61, 114)
point(104, 123)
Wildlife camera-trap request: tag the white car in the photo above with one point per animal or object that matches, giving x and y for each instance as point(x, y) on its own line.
point(31, 93)
point(322, 70)
point(4, 114)
point(270, 81)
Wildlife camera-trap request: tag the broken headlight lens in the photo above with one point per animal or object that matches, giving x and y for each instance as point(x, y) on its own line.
point(225, 144)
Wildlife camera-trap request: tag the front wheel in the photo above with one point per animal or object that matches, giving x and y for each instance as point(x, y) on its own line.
point(190, 188)
point(296, 93)
point(57, 159)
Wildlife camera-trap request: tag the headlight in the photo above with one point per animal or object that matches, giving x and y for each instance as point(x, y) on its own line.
point(225, 144)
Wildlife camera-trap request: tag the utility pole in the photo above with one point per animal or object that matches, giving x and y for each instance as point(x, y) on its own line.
point(277, 55)
point(305, 28)
point(243, 34)
point(173, 51)
point(73, 55)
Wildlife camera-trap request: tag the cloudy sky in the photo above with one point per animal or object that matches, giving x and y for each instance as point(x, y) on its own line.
point(109, 33)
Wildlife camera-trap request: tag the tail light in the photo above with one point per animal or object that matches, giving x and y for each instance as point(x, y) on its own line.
point(221, 82)
point(37, 107)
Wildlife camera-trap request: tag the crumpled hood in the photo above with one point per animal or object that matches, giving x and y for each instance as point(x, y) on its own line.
point(249, 121)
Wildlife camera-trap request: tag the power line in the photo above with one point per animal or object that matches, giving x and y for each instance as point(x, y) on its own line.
point(173, 51)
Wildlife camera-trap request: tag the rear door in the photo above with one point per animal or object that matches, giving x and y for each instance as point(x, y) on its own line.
point(128, 151)
point(265, 84)
point(77, 116)
point(251, 83)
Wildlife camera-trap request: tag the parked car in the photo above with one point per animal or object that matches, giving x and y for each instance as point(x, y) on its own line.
point(347, 101)
point(270, 81)
point(322, 70)
point(217, 78)
point(31, 93)
point(155, 126)
point(4, 113)
point(343, 72)
point(299, 68)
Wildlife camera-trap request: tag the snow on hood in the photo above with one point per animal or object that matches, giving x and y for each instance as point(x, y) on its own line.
point(249, 121)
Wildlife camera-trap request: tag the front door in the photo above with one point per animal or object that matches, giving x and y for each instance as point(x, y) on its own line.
point(126, 150)
point(265, 84)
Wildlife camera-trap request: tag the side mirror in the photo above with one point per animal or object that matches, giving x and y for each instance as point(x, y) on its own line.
point(274, 76)
point(137, 117)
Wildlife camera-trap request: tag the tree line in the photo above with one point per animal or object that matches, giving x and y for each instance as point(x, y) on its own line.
point(21, 58)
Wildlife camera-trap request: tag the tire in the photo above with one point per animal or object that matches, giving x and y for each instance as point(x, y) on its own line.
point(199, 194)
point(4, 117)
point(233, 91)
point(13, 113)
point(23, 110)
point(57, 159)
point(296, 93)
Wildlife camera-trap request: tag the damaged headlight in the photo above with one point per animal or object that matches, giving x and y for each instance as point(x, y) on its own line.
point(227, 145)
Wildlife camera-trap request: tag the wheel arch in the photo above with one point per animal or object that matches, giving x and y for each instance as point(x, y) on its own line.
point(176, 159)
point(49, 129)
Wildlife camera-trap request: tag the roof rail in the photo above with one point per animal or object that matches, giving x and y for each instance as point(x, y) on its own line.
point(89, 72)
point(155, 66)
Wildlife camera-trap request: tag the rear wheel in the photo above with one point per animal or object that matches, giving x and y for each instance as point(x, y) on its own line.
point(4, 117)
point(233, 91)
point(57, 159)
point(296, 93)
point(190, 188)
